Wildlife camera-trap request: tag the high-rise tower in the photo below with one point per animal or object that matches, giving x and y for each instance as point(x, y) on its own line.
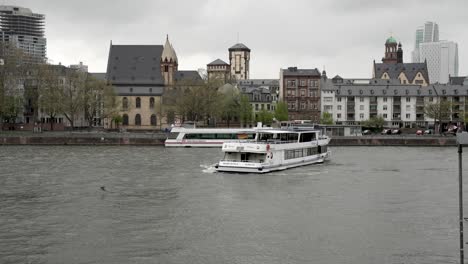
point(23, 29)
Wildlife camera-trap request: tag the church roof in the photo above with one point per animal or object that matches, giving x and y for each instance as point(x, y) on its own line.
point(218, 62)
point(135, 64)
point(391, 40)
point(187, 76)
point(394, 69)
point(239, 46)
point(168, 53)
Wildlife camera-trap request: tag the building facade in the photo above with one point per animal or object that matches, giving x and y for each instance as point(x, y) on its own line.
point(23, 29)
point(400, 105)
point(79, 67)
point(262, 93)
point(300, 90)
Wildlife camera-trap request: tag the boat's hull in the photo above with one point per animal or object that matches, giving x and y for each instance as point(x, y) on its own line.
point(265, 168)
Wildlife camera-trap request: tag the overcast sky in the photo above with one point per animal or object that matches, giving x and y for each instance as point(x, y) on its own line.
point(344, 36)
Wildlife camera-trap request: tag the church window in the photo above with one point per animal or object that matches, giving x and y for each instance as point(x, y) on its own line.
point(125, 103)
point(125, 120)
point(137, 120)
point(151, 102)
point(166, 68)
point(153, 120)
point(138, 102)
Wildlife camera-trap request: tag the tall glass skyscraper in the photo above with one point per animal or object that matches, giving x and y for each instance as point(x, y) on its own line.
point(22, 28)
point(441, 56)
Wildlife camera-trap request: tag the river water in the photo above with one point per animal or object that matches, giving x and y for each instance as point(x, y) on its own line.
point(367, 205)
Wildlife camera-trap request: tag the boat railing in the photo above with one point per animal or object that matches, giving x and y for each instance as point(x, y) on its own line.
point(244, 161)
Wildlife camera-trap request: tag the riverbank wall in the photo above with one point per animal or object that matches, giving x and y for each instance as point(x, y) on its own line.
point(157, 139)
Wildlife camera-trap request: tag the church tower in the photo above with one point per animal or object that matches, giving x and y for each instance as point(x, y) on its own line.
point(169, 63)
point(390, 51)
point(239, 59)
point(399, 54)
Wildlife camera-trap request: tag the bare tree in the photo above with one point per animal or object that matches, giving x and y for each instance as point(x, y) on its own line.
point(439, 111)
point(50, 91)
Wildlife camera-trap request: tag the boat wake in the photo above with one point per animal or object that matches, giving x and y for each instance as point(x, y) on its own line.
point(208, 168)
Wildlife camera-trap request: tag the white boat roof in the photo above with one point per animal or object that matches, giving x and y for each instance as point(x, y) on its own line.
point(212, 130)
point(286, 131)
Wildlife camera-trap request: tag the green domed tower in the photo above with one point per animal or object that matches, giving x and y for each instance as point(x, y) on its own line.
point(390, 51)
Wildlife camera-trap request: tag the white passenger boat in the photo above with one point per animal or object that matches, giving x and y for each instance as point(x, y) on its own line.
point(273, 150)
point(206, 137)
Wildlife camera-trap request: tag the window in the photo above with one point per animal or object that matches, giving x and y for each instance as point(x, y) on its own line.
point(385, 99)
point(408, 99)
point(268, 107)
point(328, 108)
point(312, 93)
point(291, 83)
point(137, 120)
point(303, 82)
point(125, 120)
point(338, 116)
point(338, 99)
point(408, 107)
point(361, 116)
point(302, 92)
point(385, 107)
point(153, 120)
point(151, 102)
point(313, 83)
point(431, 99)
point(408, 116)
point(303, 105)
point(328, 99)
point(361, 107)
point(138, 102)
point(361, 99)
point(125, 103)
point(338, 107)
point(166, 68)
point(384, 115)
point(256, 107)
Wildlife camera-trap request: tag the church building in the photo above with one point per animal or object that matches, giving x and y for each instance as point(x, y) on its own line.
point(237, 69)
point(393, 67)
point(140, 74)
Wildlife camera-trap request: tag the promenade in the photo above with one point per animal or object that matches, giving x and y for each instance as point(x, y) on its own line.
point(157, 138)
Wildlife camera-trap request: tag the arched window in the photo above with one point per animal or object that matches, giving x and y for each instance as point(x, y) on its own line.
point(125, 103)
point(153, 120)
point(137, 120)
point(125, 120)
point(138, 102)
point(152, 102)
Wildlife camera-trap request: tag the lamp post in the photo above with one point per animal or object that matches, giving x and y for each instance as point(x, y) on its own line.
point(462, 140)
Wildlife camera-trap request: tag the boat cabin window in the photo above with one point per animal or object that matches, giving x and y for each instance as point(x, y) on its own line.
point(173, 135)
point(308, 137)
point(288, 137)
point(219, 136)
point(265, 137)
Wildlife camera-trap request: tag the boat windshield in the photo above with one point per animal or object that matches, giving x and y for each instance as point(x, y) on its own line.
point(277, 137)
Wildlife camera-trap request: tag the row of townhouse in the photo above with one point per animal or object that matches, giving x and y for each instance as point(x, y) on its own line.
point(401, 105)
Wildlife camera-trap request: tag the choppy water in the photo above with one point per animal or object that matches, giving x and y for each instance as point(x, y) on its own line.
point(368, 205)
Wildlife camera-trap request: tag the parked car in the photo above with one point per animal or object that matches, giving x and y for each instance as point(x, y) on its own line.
point(428, 132)
point(386, 131)
point(366, 132)
point(396, 131)
point(419, 132)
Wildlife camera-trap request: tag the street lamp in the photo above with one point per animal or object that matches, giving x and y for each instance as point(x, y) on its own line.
point(462, 140)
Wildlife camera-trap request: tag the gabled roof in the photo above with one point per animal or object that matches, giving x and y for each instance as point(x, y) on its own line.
point(239, 46)
point(394, 69)
point(135, 64)
point(187, 76)
point(217, 62)
point(457, 80)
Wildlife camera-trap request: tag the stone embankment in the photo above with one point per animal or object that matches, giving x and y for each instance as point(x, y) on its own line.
point(155, 139)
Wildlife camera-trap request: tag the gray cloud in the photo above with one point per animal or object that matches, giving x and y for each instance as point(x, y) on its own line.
point(344, 36)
